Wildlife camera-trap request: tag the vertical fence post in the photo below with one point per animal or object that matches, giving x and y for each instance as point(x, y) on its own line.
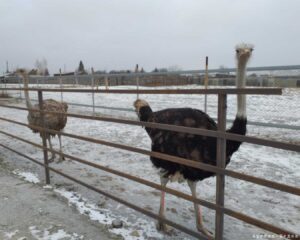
point(206, 83)
point(20, 87)
point(221, 163)
point(106, 82)
point(37, 82)
point(97, 82)
point(60, 83)
point(93, 94)
point(76, 79)
point(137, 81)
point(4, 81)
point(45, 152)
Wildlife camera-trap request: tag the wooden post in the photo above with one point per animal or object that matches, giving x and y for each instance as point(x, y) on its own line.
point(20, 87)
point(76, 79)
point(93, 94)
point(221, 163)
point(4, 92)
point(60, 83)
point(106, 82)
point(97, 81)
point(137, 81)
point(45, 152)
point(206, 83)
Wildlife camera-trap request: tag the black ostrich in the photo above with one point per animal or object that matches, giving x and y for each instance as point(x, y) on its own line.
point(193, 147)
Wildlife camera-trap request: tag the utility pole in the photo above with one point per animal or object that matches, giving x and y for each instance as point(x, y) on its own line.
point(206, 83)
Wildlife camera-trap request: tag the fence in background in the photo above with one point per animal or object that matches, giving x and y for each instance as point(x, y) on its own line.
point(220, 171)
point(174, 78)
point(183, 77)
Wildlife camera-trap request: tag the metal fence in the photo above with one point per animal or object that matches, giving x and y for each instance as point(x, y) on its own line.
point(94, 78)
point(94, 107)
point(220, 171)
point(104, 79)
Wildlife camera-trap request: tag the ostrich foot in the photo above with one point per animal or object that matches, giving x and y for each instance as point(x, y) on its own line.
point(204, 231)
point(160, 226)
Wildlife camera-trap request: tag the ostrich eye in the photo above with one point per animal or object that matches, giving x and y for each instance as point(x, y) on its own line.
point(237, 51)
point(251, 49)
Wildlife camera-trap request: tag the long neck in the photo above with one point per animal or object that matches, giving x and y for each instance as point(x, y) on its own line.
point(241, 83)
point(26, 92)
point(145, 114)
point(239, 125)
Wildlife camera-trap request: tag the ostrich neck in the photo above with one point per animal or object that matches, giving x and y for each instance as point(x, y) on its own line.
point(26, 92)
point(241, 83)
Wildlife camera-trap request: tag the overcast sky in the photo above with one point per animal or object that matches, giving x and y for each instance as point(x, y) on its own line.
point(111, 34)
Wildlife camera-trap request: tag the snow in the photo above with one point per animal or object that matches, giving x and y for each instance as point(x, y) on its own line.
point(105, 217)
point(52, 234)
point(9, 235)
point(275, 207)
point(47, 187)
point(28, 176)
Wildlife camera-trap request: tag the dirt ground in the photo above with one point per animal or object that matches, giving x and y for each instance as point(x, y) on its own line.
point(31, 212)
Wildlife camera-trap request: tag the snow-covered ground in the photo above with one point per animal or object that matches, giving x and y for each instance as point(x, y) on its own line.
point(275, 207)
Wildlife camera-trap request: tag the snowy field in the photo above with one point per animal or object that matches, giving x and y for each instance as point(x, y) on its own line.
point(275, 207)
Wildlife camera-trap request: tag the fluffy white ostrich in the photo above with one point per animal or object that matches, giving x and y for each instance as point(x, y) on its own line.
point(52, 121)
point(193, 147)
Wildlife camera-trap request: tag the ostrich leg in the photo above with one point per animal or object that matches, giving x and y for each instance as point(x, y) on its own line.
point(52, 153)
point(160, 225)
point(198, 214)
point(61, 158)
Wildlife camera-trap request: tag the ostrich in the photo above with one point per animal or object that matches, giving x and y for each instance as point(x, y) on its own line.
point(193, 147)
point(52, 121)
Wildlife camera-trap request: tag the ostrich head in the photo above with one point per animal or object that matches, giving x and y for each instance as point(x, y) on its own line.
point(243, 52)
point(143, 109)
point(138, 104)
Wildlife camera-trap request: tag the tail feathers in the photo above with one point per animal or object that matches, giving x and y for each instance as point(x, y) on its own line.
point(142, 109)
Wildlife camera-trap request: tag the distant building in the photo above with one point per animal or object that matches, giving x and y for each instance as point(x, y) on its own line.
point(64, 74)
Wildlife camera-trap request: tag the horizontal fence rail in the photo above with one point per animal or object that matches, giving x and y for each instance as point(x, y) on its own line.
point(195, 131)
point(254, 123)
point(250, 91)
point(219, 170)
point(190, 163)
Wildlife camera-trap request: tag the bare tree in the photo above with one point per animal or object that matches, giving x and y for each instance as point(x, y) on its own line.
point(41, 66)
point(174, 68)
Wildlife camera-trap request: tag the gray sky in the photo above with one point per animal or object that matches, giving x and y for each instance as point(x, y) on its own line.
point(111, 34)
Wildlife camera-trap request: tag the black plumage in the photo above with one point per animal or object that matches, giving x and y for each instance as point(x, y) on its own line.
point(186, 145)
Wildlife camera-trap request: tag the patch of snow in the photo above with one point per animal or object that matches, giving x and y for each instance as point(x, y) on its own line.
point(27, 176)
point(47, 186)
point(9, 235)
point(142, 229)
point(52, 234)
